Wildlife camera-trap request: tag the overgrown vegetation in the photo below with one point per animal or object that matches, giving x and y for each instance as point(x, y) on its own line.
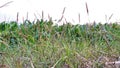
point(41, 45)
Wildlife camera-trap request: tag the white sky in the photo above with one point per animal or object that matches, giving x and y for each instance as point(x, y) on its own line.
point(97, 10)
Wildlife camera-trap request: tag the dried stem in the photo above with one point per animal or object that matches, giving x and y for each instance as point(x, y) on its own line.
point(64, 10)
point(62, 15)
point(6, 4)
point(42, 15)
point(17, 16)
point(110, 17)
point(79, 17)
point(27, 16)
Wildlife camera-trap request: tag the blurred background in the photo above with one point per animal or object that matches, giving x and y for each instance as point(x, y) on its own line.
point(99, 10)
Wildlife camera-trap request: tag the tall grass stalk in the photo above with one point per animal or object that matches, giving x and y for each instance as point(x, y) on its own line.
point(87, 10)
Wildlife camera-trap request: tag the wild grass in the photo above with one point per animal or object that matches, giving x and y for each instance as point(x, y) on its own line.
point(42, 45)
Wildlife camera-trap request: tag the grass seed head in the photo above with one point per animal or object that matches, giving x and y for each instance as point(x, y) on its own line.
point(87, 8)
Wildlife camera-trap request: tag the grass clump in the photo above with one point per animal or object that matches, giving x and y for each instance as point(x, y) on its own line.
point(42, 45)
